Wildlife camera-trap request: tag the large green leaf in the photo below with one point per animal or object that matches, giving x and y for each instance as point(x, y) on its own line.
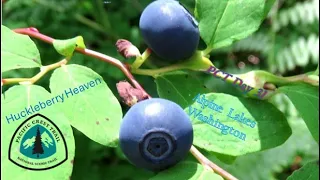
point(257, 125)
point(309, 171)
point(222, 22)
point(16, 99)
point(91, 107)
point(131, 172)
point(17, 51)
point(305, 98)
point(187, 170)
point(182, 88)
point(264, 165)
point(179, 87)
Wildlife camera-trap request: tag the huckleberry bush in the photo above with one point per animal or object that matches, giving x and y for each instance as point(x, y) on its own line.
point(207, 89)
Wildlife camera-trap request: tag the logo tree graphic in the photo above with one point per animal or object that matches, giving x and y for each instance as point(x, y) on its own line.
point(37, 148)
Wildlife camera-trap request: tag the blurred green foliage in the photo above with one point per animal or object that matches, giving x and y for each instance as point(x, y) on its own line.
point(101, 23)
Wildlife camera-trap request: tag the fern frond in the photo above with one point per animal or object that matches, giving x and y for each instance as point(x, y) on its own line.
point(258, 42)
point(302, 13)
point(299, 53)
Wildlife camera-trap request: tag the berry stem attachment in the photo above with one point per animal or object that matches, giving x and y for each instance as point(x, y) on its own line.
point(141, 59)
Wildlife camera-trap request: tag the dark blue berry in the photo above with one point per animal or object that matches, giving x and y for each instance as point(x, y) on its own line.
point(155, 134)
point(169, 30)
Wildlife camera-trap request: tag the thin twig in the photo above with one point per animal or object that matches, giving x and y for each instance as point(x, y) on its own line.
point(91, 24)
point(207, 163)
point(303, 78)
point(32, 32)
point(116, 63)
point(43, 71)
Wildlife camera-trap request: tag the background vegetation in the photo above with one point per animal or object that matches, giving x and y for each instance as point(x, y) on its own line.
point(287, 43)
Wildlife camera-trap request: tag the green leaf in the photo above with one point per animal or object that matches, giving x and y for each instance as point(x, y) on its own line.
point(225, 158)
point(309, 171)
point(17, 51)
point(220, 86)
point(316, 72)
point(179, 87)
point(131, 172)
point(16, 99)
point(275, 160)
point(92, 109)
point(256, 125)
point(268, 6)
point(67, 47)
point(222, 22)
point(187, 170)
point(305, 98)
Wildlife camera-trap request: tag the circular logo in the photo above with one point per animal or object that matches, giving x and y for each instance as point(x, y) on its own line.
point(38, 144)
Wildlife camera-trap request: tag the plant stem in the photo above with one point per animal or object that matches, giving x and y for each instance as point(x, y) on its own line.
point(89, 23)
point(256, 79)
point(32, 32)
point(197, 63)
point(43, 71)
point(114, 62)
point(207, 163)
point(141, 59)
point(207, 51)
point(280, 81)
point(155, 72)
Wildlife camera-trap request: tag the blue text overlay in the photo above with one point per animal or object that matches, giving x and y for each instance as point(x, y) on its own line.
point(27, 111)
point(210, 119)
